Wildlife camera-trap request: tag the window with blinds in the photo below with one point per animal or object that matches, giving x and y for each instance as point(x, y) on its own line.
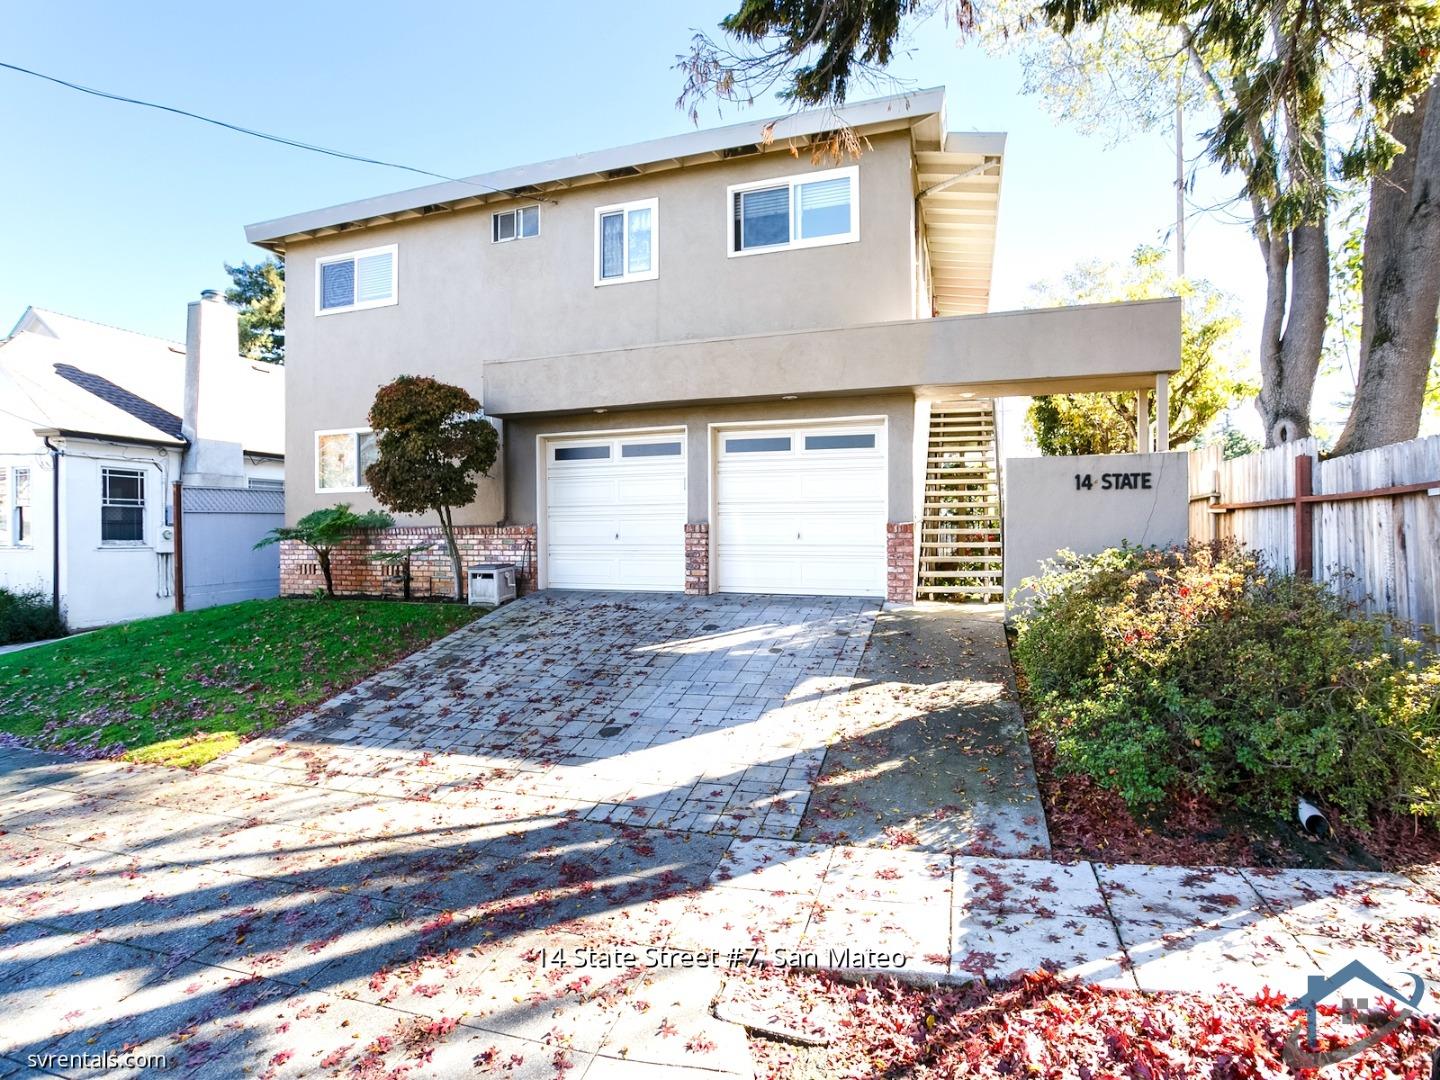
point(799, 211)
point(359, 279)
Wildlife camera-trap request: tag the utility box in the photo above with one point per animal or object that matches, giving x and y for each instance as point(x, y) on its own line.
point(491, 584)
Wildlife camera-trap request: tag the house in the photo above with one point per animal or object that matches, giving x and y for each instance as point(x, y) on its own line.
point(727, 360)
point(97, 425)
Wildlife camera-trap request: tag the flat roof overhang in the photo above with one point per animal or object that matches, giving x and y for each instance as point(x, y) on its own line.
point(1085, 348)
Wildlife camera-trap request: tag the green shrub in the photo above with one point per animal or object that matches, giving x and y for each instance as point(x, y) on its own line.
point(1194, 665)
point(27, 616)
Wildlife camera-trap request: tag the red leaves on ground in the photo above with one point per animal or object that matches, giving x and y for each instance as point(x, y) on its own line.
point(1042, 1026)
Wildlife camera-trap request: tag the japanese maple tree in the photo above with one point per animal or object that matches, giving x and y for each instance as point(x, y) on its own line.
point(434, 446)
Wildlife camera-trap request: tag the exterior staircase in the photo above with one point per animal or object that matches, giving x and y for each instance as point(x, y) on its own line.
point(960, 550)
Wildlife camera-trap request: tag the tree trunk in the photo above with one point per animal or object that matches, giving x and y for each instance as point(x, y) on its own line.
point(1297, 296)
point(322, 556)
point(1401, 286)
point(447, 526)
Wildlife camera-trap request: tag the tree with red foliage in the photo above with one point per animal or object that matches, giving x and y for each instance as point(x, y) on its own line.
point(434, 445)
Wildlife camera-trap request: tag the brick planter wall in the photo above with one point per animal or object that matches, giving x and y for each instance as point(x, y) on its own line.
point(430, 573)
point(900, 562)
point(697, 558)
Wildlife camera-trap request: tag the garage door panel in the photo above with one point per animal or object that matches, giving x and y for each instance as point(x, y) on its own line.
point(584, 530)
point(617, 522)
point(835, 487)
point(745, 524)
point(665, 491)
point(573, 568)
point(656, 570)
point(836, 573)
point(752, 485)
point(577, 489)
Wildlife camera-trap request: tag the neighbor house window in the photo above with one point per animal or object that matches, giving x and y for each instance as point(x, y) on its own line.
point(627, 242)
point(341, 458)
point(359, 279)
point(122, 506)
point(19, 506)
point(5, 506)
point(799, 211)
point(517, 224)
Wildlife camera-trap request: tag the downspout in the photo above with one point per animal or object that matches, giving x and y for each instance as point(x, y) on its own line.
point(54, 525)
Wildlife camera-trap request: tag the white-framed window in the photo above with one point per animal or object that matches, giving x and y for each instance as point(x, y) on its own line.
point(263, 483)
point(807, 210)
point(520, 223)
point(122, 506)
point(15, 507)
point(356, 280)
point(627, 242)
point(341, 458)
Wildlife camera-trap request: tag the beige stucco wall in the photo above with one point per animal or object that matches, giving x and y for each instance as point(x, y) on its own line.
point(1045, 510)
point(1045, 350)
point(464, 301)
point(898, 411)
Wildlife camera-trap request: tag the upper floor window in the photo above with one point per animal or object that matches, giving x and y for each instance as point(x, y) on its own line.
point(341, 458)
point(798, 211)
point(627, 242)
point(355, 280)
point(517, 224)
point(122, 506)
point(14, 507)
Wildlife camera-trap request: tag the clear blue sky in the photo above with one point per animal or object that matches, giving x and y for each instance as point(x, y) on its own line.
point(122, 214)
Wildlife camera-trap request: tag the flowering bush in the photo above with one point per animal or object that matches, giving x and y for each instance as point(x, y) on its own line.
point(1149, 668)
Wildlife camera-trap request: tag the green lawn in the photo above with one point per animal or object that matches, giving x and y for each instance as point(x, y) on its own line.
point(181, 689)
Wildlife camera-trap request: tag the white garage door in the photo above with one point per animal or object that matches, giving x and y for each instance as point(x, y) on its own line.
point(801, 510)
point(615, 513)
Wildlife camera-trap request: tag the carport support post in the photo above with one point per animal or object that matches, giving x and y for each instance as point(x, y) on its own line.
point(1162, 413)
point(1142, 421)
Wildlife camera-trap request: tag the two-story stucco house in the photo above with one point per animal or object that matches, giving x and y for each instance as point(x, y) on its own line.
point(721, 361)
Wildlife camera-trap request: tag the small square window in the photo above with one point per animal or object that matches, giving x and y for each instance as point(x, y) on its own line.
point(518, 224)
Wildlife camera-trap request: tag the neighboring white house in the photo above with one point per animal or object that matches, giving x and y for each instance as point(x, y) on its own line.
point(96, 426)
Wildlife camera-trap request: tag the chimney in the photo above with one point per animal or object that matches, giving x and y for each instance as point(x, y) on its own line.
point(215, 457)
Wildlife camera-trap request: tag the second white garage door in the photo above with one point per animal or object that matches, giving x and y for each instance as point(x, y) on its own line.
point(615, 513)
point(801, 510)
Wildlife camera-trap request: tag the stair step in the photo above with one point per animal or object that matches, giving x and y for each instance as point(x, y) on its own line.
point(964, 545)
point(960, 590)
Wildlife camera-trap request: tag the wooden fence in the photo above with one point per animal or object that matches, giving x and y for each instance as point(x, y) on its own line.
point(1370, 521)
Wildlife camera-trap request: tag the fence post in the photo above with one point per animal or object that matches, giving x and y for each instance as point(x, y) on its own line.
point(1304, 517)
point(178, 513)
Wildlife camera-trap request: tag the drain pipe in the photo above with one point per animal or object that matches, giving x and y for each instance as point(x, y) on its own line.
point(54, 524)
point(1312, 819)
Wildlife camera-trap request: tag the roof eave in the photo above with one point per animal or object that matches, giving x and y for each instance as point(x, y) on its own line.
point(708, 145)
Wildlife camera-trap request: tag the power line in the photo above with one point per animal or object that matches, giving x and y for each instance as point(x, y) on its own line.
point(282, 140)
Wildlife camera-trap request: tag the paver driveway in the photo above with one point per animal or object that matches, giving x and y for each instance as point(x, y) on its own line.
point(697, 715)
point(391, 883)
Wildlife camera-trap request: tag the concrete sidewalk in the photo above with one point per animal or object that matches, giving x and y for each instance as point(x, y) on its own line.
point(235, 926)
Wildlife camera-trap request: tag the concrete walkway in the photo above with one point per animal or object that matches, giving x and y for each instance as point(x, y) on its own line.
point(409, 878)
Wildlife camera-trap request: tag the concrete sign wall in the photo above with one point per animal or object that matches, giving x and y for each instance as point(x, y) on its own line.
point(1091, 503)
